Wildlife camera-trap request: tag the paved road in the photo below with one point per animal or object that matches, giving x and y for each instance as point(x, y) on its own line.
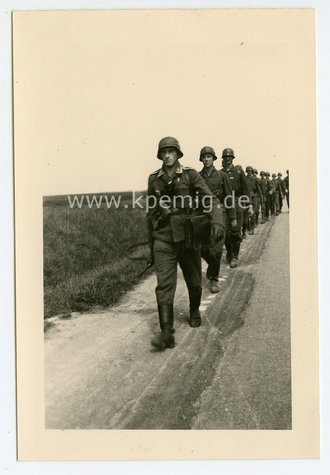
point(231, 373)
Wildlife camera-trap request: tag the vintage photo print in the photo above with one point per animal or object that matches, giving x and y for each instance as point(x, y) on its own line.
point(166, 247)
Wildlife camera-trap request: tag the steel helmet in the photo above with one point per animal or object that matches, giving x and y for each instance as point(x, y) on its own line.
point(273, 175)
point(228, 152)
point(206, 150)
point(267, 173)
point(169, 142)
point(255, 171)
point(262, 173)
point(249, 169)
point(279, 174)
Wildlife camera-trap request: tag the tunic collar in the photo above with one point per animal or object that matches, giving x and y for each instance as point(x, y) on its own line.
point(204, 171)
point(178, 170)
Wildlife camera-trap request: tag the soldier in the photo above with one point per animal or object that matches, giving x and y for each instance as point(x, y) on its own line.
point(254, 192)
point(240, 189)
point(172, 189)
point(275, 194)
point(286, 186)
point(218, 184)
point(259, 197)
point(269, 197)
point(264, 189)
point(281, 190)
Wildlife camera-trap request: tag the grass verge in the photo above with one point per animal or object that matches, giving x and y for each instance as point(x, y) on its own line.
point(85, 254)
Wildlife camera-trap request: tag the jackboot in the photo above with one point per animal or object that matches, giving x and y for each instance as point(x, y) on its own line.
point(165, 339)
point(195, 295)
point(214, 286)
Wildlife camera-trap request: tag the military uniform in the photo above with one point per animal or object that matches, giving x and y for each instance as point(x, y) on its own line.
point(264, 190)
point(239, 186)
point(286, 185)
point(275, 195)
point(255, 193)
point(281, 191)
point(218, 184)
point(270, 200)
point(167, 239)
point(259, 197)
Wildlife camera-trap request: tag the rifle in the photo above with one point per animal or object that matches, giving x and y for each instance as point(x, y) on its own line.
point(135, 253)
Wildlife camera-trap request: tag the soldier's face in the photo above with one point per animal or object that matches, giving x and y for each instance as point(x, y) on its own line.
point(208, 159)
point(169, 156)
point(227, 161)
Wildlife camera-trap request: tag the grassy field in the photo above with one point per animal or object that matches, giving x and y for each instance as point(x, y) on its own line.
point(85, 253)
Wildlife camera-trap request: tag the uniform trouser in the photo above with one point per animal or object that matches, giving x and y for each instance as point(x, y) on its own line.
point(280, 202)
point(272, 204)
point(263, 208)
point(245, 220)
point(268, 206)
point(277, 202)
point(257, 210)
point(212, 255)
point(166, 257)
point(233, 240)
point(287, 198)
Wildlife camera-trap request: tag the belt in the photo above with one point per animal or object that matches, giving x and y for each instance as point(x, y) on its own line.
point(180, 211)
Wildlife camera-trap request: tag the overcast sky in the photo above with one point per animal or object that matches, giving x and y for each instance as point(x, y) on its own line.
point(100, 89)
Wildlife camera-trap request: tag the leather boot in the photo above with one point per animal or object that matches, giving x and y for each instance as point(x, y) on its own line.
point(165, 339)
point(195, 319)
point(214, 286)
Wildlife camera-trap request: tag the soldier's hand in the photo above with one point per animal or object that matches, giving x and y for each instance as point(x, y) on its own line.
point(250, 212)
point(217, 232)
point(234, 227)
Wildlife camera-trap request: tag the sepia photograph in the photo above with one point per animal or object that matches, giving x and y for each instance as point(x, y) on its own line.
point(154, 148)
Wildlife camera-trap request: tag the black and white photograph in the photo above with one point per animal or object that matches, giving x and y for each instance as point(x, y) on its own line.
point(166, 272)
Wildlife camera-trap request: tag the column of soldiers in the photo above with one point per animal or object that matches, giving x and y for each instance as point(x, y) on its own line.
point(195, 215)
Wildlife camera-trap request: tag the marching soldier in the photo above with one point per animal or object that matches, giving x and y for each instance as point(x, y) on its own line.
point(254, 192)
point(281, 191)
point(264, 189)
point(259, 197)
point(269, 196)
point(173, 190)
point(286, 186)
point(218, 184)
point(240, 189)
point(275, 194)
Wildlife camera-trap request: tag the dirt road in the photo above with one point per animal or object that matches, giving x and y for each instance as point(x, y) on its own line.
point(102, 373)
